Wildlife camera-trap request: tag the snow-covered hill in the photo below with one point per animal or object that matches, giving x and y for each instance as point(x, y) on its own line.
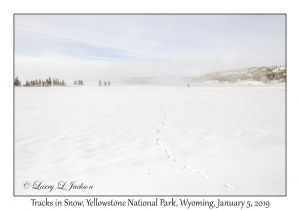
point(253, 75)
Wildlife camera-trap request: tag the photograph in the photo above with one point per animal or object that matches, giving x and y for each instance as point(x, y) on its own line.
point(145, 104)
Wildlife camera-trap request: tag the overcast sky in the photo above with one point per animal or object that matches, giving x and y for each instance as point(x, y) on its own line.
point(104, 47)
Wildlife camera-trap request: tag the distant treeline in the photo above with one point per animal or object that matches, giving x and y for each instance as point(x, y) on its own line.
point(52, 82)
point(38, 82)
point(100, 84)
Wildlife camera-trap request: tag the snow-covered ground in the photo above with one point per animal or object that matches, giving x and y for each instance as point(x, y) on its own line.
point(210, 140)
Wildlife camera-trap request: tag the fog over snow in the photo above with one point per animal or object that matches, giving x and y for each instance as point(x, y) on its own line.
point(111, 47)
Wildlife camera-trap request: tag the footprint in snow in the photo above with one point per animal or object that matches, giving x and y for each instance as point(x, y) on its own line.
point(230, 186)
point(206, 177)
point(188, 168)
point(137, 164)
point(164, 123)
point(193, 170)
point(158, 131)
point(169, 154)
point(158, 142)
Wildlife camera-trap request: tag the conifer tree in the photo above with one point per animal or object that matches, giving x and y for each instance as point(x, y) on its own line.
point(16, 82)
point(50, 82)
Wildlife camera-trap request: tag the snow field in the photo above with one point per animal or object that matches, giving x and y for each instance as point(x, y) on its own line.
point(210, 140)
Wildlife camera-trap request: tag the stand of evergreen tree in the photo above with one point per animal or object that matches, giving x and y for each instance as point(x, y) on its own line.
point(17, 82)
point(105, 83)
point(40, 83)
point(79, 82)
point(57, 82)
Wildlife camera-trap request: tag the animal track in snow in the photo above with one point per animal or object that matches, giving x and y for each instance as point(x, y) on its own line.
point(244, 134)
point(206, 177)
point(230, 186)
point(193, 170)
point(137, 164)
point(188, 168)
point(158, 142)
point(169, 155)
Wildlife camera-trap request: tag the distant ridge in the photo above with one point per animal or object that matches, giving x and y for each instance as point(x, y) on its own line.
point(254, 74)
